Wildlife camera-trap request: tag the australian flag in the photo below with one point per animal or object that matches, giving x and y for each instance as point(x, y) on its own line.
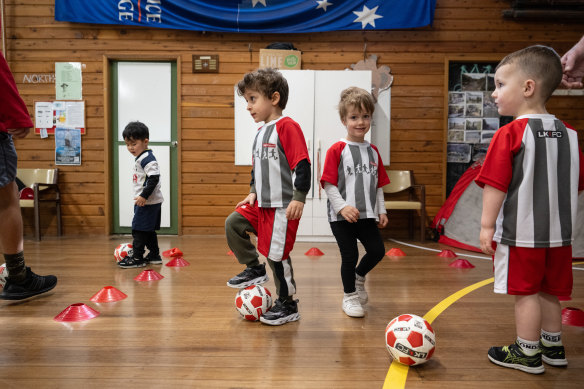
point(251, 16)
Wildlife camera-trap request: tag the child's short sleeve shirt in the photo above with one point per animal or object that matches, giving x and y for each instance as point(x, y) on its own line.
point(536, 161)
point(357, 170)
point(146, 165)
point(278, 147)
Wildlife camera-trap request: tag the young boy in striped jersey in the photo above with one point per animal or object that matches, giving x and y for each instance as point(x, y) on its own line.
point(147, 198)
point(280, 183)
point(352, 178)
point(531, 177)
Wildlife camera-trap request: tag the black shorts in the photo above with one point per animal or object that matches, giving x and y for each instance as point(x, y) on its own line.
point(8, 159)
point(147, 218)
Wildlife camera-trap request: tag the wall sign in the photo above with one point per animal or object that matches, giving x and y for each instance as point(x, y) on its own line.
point(49, 115)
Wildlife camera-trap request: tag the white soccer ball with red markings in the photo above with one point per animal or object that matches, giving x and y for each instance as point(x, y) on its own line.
point(122, 251)
point(410, 339)
point(253, 301)
point(3, 275)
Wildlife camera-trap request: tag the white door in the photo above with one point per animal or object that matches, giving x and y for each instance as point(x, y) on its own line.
point(144, 93)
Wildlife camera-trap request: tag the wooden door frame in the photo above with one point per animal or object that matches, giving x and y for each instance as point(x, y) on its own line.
point(447, 60)
point(108, 125)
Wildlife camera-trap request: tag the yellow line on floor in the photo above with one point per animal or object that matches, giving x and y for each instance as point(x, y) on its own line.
point(397, 373)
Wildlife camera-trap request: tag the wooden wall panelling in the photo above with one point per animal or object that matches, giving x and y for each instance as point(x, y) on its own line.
point(210, 184)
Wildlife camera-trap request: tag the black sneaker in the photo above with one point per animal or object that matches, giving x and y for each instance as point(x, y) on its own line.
point(255, 275)
point(513, 357)
point(153, 260)
point(130, 262)
point(32, 285)
point(282, 312)
point(553, 355)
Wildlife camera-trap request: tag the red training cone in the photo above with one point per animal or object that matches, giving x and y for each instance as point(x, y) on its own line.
point(447, 254)
point(173, 252)
point(395, 252)
point(108, 294)
point(313, 252)
point(461, 264)
point(76, 312)
point(177, 262)
point(573, 317)
point(149, 275)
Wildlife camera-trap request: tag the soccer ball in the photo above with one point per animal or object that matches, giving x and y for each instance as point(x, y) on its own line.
point(122, 251)
point(410, 339)
point(253, 301)
point(3, 275)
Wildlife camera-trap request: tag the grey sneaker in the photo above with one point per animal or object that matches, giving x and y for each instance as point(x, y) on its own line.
point(255, 275)
point(131, 262)
point(153, 260)
point(281, 313)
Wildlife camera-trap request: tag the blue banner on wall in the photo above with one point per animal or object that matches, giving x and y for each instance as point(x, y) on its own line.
point(253, 16)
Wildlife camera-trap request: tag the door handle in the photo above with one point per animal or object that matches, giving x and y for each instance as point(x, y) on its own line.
point(174, 144)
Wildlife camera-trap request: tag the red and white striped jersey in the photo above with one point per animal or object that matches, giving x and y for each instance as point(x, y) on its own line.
point(278, 147)
point(357, 171)
point(536, 160)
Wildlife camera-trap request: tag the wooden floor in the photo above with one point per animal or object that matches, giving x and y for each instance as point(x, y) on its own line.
point(183, 331)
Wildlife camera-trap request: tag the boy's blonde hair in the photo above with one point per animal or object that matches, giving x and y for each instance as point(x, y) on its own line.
point(356, 98)
point(540, 63)
point(265, 81)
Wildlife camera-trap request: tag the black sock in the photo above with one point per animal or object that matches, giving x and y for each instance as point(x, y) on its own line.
point(15, 266)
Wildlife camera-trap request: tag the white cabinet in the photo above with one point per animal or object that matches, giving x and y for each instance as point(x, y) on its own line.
point(312, 102)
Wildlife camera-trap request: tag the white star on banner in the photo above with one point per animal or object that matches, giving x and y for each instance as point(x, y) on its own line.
point(323, 4)
point(367, 16)
point(254, 2)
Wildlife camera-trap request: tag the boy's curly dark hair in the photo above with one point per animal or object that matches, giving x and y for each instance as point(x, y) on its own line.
point(265, 81)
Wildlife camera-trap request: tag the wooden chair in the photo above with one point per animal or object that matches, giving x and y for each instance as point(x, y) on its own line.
point(402, 181)
point(44, 185)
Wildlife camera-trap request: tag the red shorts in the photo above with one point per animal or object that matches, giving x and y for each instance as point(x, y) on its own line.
point(276, 234)
point(526, 270)
point(250, 212)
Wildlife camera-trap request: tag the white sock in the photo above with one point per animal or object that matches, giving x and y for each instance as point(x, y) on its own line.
point(551, 338)
point(529, 347)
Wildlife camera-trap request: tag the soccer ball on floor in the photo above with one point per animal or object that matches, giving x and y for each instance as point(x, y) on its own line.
point(122, 251)
point(410, 339)
point(3, 275)
point(253, 301)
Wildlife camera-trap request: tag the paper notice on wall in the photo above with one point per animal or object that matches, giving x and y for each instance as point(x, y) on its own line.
point(43, 114)
point(68, 81)
point(67, 146)
point(70, 113)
